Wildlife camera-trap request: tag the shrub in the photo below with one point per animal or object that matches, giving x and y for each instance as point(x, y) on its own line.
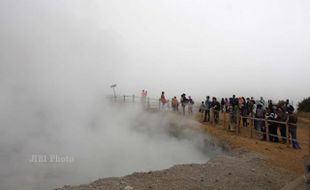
point(304, 105)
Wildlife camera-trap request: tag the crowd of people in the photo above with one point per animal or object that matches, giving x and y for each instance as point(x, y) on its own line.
point(175, 103)
point(241, 111)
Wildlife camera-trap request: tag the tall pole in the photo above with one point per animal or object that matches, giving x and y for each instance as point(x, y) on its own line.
point(113, 87)
point(114, 92)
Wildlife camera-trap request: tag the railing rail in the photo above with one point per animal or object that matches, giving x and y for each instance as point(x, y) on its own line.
point(154, 103)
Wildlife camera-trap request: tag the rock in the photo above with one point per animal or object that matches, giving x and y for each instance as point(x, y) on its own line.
point(128, 188)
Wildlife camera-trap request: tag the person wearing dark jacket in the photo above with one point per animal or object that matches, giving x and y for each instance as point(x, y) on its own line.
point(207, 109)
point(273, 127)
point(222, 105)
point(216, 106)
point(292, 120)
point(184, 102)
point(282, 116)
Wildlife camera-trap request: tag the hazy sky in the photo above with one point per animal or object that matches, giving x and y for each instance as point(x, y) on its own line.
point(250, 48)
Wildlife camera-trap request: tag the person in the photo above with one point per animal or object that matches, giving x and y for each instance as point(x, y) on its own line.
point(292, 120)
point(288, 106)
point(143, 97)
point(273, 127)
point(184, 102)
point(174, 104)
point(226, 104)
point(207, 109)
point(252, 111)
point(163, 100)
point(250, 106)
point(270, 105)
point(222, 105)
point(202, 108)
point(216, 106)
point(282, 116)
point(190, 105)
point(245, 111)
point(262, 102)
point(234, 102)
point(259, 124)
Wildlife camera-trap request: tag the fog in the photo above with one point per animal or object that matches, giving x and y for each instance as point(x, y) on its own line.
point(58, 59)
point(104, 141)
point(257, 48)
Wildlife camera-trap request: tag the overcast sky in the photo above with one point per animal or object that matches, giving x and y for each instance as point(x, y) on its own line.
point(200, 47)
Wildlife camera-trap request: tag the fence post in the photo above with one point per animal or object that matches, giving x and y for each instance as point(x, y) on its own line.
point(224, 119)
point(212, 117)
point(251, 128)
point(124, 98)
point(168, 102)
point(309, 139)
point(267, 130)
point(253, 125)
point(229, 127)
point(237, 122)
point(287, 134)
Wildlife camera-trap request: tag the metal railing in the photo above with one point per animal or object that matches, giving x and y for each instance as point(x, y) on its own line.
point(153, 103)
point(147, 102)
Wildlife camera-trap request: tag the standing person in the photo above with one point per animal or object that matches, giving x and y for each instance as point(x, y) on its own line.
point(282, 116)
point(184, 102)
point(226, 104)
point(174, 104)
point(260, 115)
point(216, 106)
point(190, 105)
point(245, 111)
point(249, 106)
point(222, 105)
point(253, 107)
point(273, 127)
point(143, 97)
point(292, 120)
point(202, 108)
point(234, 102)
point(163, 100)
point(288, 106)
point(207, 111)
point(262, 101)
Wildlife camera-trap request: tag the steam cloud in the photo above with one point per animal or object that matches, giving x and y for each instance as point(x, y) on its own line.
point(104, 141)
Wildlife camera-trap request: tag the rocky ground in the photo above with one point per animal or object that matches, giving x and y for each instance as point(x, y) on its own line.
point(252, 164)
point(240, 171)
